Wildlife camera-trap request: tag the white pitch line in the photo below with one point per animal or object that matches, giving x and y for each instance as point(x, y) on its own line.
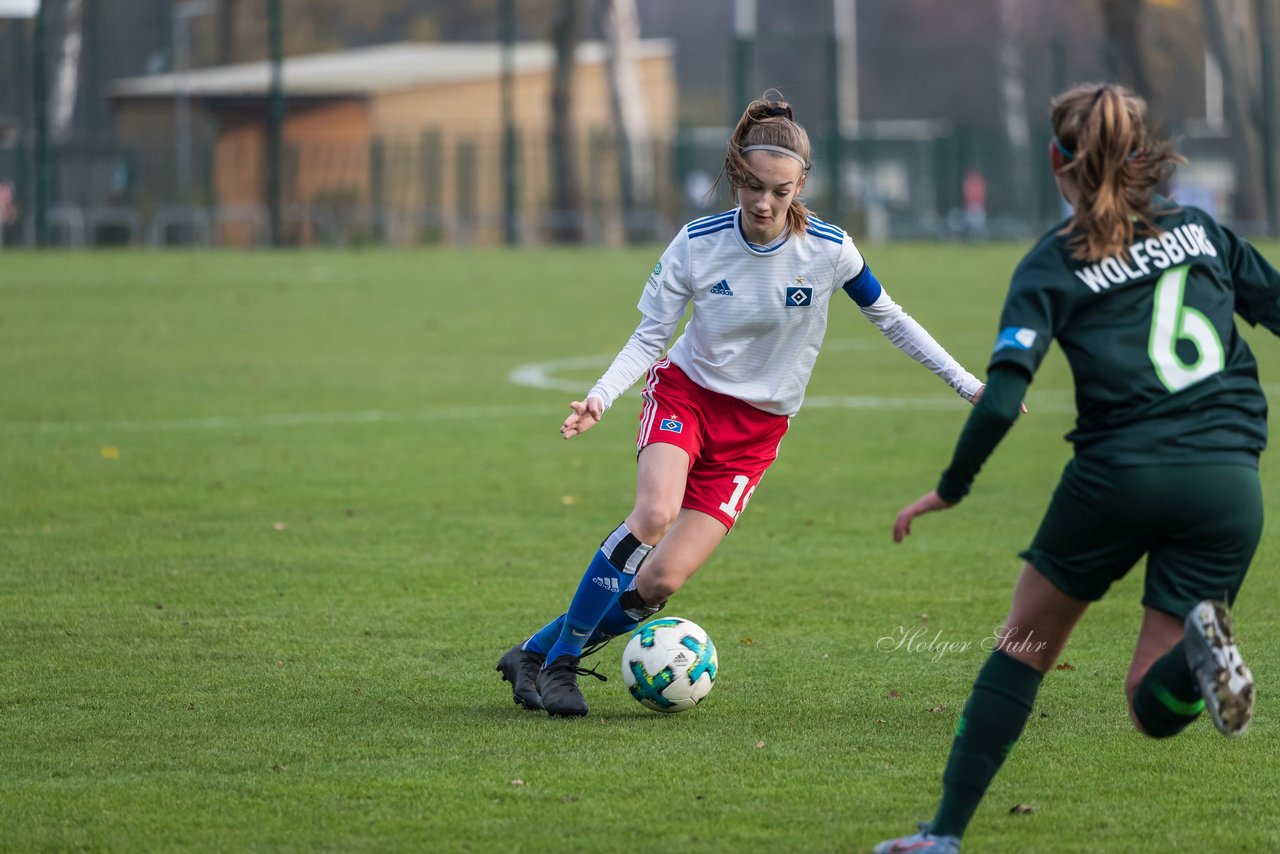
point(543, 375)
point(298, 419)
point(540, 374)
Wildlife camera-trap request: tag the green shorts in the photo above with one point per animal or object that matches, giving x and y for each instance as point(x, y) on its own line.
point(1199, 526)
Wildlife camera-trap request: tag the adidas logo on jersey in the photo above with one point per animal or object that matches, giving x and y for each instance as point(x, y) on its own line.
point(722, 288)
point(610, 584)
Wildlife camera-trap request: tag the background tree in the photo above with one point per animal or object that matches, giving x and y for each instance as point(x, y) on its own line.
point(1228, 25)
point(1123, 49)
point(566, 189)
point(621, 30)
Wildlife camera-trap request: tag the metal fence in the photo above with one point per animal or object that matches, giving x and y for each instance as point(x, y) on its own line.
point(892, 180)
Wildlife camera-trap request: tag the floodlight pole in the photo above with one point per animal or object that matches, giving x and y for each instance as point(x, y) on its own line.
point(835, 133)
point(744, 46)
point(846, 28)
point(181, 35)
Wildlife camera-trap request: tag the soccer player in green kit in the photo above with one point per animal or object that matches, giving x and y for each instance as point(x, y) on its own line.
point(1140, 294)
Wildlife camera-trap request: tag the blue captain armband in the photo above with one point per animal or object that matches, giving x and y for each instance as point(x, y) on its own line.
point(864, 288)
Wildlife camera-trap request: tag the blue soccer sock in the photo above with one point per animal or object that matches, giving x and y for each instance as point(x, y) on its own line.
point(543, 639)
point(607, 576)
point(623, 617)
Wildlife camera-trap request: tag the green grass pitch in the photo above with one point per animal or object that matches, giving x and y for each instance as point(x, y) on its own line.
point(267, 521)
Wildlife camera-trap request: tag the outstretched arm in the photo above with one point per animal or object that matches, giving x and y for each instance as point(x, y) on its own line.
point(990, 420)
point(1257, 283)
point(639, 353)
point(905, 333)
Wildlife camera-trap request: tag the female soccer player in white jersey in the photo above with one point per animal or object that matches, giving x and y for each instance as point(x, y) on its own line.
point(760, 278)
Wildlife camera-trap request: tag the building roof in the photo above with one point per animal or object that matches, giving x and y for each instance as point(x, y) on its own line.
point(365, 71)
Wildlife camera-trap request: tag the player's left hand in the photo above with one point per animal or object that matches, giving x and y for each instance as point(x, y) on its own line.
point(926, 503)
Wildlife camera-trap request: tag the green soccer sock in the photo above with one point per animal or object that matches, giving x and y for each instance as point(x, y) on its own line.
point(1167, 699)
point(992, 720)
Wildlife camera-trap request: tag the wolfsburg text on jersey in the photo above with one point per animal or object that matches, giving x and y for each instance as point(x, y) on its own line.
point(1170, 248)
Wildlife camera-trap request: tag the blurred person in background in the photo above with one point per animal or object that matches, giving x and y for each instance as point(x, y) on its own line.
point(760, 278)
point(974, 188)
point(1140, 294)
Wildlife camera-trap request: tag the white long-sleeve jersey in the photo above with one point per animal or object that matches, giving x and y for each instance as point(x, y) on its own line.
point(760, 314)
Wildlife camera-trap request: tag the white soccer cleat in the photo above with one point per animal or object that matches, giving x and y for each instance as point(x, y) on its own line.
point(923, 842)
point(1224, 680)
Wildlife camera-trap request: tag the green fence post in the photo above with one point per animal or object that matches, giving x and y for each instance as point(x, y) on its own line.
point(40, 115)
point(377, 187)
point(465, 195)
point(510, 200)
point(430, 153)
point(275, 121)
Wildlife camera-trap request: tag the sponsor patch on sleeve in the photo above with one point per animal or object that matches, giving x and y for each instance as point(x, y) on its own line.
point(1015, 337)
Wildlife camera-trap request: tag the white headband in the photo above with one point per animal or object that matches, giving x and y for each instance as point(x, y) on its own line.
point(777, 149)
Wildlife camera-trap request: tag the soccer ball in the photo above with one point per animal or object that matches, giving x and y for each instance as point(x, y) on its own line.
point(669, 665)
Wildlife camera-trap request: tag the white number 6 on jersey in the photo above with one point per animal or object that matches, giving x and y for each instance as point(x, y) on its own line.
point(1172, 321)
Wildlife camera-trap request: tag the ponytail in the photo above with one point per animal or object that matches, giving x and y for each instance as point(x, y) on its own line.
point(1100, 130)
point(767, 121)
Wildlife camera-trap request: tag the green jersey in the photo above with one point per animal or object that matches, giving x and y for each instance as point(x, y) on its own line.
point(1161, 373)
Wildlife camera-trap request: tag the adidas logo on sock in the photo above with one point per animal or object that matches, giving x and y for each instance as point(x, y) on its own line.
point(722, 288)
point(610, 584)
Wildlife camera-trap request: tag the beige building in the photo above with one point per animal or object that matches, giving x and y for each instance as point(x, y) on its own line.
point(402, 139)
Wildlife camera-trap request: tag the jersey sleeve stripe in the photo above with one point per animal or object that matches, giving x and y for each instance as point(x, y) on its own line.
point(712, 229)
point(825, 236)
point(819, 221)
point(707, 220)
point(827, 229)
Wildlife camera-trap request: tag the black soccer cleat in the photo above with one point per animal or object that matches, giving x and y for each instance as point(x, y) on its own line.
point(520, 667)
point(558, 688)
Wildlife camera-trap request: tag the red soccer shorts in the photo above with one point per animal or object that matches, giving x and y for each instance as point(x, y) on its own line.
point(730, 443)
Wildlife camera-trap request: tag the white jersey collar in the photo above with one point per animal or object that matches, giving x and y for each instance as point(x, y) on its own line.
point(775, 247)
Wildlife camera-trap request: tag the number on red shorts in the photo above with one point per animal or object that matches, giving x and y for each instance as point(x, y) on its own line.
point(731, 507)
